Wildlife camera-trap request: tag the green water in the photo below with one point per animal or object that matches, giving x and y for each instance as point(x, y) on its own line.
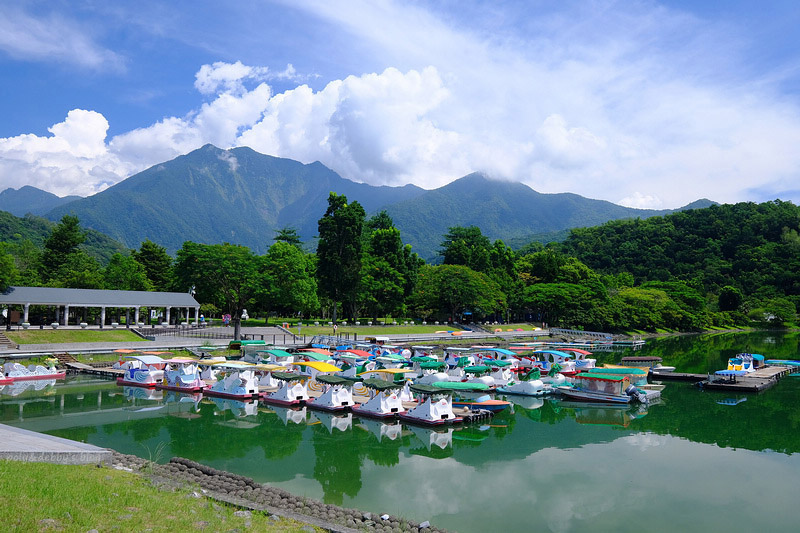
point(698, 460)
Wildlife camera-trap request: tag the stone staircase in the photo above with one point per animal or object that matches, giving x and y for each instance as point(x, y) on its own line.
point(64, 358)
point(6, 344)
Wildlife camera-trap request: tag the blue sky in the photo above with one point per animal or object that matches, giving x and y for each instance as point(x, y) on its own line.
point(644, 103)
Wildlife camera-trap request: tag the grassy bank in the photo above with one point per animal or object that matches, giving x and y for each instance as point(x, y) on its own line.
point(58, 336)
point(40, 496)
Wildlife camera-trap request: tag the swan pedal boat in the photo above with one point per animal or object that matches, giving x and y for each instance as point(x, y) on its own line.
point(239, 381)
point(292, 389)
point(16, 372)
point(435, 407)
point(184, 377)
point(141, 371)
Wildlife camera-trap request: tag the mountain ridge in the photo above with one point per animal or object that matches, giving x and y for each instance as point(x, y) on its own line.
point(211, 195)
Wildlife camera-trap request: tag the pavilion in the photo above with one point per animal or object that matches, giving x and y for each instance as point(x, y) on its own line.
point(86, 298)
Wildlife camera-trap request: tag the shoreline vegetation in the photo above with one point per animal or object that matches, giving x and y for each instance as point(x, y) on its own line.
point(134, 494)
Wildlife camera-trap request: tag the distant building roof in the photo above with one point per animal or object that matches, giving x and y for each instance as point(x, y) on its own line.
point(95, 297)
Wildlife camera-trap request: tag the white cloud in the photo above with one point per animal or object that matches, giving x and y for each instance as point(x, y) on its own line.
point(73, 160)
point(596, 99)
point(52, 38)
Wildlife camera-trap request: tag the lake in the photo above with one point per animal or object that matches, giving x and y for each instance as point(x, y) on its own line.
point(698, 460)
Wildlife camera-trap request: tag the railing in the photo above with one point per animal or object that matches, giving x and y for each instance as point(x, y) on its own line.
point(199, 333)
point(581, 333)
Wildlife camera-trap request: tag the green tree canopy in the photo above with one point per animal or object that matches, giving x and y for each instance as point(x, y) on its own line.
point(157, 264)
point(454, 289)
point(339, 251)
point(126, 274)
point(225, 275)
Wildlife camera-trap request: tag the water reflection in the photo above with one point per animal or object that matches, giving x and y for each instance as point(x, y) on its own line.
point(559, 456)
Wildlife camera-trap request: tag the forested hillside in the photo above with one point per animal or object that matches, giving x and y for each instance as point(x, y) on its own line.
point(752, 247)
point(15, 231)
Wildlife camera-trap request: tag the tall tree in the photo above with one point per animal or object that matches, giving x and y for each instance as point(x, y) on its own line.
point(225, 275)
point(126, 274)
point(288, 235)
point(455, 289)
point(157, 264)
point(8, 268)
point(291, 285)
point(62, 242)
point(339, 250)
point(466, 246)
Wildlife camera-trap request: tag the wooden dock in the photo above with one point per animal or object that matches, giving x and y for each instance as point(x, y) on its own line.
point(676, 376)
point(760, 380)
point(105, 371)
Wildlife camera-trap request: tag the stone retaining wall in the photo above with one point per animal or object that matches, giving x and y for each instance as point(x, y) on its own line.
point(244, 492)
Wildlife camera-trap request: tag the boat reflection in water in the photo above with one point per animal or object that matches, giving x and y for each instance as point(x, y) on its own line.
point(610, 414)
point(295, 415)
point(178, 404)
point(382, 430)
point(439, 437)
point(38, 387)
point(331, 421)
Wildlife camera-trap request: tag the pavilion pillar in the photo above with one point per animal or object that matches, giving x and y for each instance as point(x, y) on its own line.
point(58, 314)
point(127, 317)
point(187, 315)
point(102, 316)
point(136, 315)
point(168, 315)
point(196, 316)
point(25, 312)
point(66, 315)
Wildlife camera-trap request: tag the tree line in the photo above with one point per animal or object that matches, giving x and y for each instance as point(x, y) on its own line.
point(721, 266)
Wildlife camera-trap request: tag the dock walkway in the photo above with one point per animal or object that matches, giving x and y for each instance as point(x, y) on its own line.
point(22, 445)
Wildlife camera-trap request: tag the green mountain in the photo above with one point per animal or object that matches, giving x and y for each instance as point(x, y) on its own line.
point(212, 195)
point(503, 210)
point(241, 196)
point(15, 230)
point(27, 199)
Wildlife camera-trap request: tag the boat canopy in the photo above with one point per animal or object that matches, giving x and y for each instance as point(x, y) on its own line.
point(381, 384)
point(320, 351)
point(476, 369)
point(126, 350)
point(147, 359)
point(601, 377)
point(497, 362)
point(429, 365)
point(268, 368)
point(632, 371)
point(430, 390)
point(156, 353)
point(237, 365)
point(319, 366)
point(422, 359)
point(502, 351)
point(357, 353)
point(389, 371)
point(181, 360)
point(576, 350)
point(289, 376)
point(461, 385)
point(277, 353)
point(334, 380)
point(315, 355)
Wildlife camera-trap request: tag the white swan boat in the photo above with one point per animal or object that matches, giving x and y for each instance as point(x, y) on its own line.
point(142, 371)
point(17, 372)
point(236, 380)
point(181, 374)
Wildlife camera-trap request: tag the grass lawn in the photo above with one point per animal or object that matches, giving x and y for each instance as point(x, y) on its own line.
point(41, 496)
point(57, 336)
point(379, 331)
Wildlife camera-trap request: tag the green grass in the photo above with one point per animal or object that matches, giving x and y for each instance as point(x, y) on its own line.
point(379, 331)
point(40, 496)
point(56, 336)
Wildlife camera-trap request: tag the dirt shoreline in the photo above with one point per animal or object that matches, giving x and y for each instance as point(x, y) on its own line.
point(246, 493)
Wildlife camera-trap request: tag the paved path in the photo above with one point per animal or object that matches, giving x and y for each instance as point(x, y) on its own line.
point(23, 445)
